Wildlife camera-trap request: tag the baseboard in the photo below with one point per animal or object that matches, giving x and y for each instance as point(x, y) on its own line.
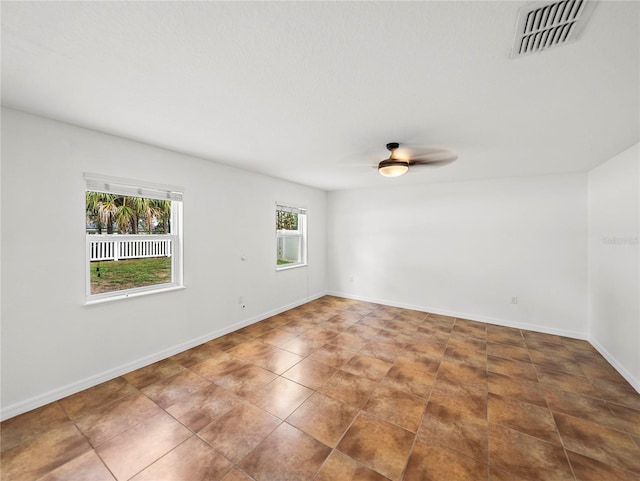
point(466, 315)
point(34, 402)
point(624, 372)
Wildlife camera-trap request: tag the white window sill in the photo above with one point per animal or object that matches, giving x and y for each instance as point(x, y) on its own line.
point(131, 295)
point(286, 267)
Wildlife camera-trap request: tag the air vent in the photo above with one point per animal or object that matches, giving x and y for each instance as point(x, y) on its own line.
point(544, 25)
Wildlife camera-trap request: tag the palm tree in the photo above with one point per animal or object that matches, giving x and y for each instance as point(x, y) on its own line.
point(125, 215)
point(105, 209)
point(162, 213)
point(101, 208)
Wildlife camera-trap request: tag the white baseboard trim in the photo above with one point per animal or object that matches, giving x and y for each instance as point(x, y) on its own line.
point(624, 372)
point(464, 315)
point(34, 402)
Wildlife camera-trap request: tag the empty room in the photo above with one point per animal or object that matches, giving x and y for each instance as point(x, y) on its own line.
point(320, 241)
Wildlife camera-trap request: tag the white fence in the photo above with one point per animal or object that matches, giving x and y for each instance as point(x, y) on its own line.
point(128, 246)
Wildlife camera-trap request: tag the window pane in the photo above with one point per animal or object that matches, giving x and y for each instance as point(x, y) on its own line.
point(288, 250)
point(129, 242)
point(109, 276)
point(286, 220)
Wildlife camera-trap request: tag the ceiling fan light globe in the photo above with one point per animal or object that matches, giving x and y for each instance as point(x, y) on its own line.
point(393, 168)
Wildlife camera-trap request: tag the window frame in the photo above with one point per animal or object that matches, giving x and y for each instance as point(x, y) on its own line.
point(301, 234)
point(129, 187)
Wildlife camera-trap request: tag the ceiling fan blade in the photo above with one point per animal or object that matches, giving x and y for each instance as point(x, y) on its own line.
point(440, 158)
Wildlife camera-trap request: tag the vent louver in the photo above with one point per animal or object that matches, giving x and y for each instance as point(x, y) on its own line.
point(544, 25)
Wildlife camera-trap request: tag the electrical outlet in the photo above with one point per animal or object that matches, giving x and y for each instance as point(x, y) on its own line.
point(514, 300)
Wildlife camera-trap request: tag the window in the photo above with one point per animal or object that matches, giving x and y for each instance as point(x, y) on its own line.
point(291, 237)
point(133, 236)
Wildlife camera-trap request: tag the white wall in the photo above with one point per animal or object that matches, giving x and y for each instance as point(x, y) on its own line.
point(614, 263)
point(51, 344)
point(465, 249)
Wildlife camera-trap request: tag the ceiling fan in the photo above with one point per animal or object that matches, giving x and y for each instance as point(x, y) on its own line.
point(396, 166)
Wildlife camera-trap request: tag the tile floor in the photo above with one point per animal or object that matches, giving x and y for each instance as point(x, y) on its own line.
point(339, 389)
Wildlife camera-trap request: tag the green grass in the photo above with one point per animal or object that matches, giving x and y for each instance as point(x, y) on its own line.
point(282, 262)
point(109, 276)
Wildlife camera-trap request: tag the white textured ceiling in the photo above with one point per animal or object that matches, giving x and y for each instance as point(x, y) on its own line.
point(306, 91)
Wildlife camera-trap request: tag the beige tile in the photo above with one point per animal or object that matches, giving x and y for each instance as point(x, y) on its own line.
point(332, 356)
point(277, 337)
point(116, 417)
point(466, 328)
point(255, 330)
point(509, 367)
point(558, 358)
point(517, 389)
point(505, 335)
point(462, 373)
point(38, 455)
point(362, 330)
point(302, 347)
point(566, 381)
point(348, 388)
point(397, 407)
point(418, 362)
point(85, 401)
point(381, 350)
point(195, 355)
point(578, 405)
point(33, 423)
point(246, 379)
point(193, 460)
point(86, 467)
point(596, 441)
point(418, 383)
point(472, 352)
point(367, 366)
point(470, 400)
point(204, 406)
point(250, 351)
point(280, 397)
point(618, 393)
point(339, 466)
point(351, 342)
point(398, 338)
point(173, 389)
point(377, 444)
point(237, 474)
point(496, 474)
point(324, 418)
point(153, 373)
point(228, 341)
point(287, 454)
point(215, 368)
point(541, 337)
point(455, 430)
point(278, 360)
point(431, 462)
point(128, 453)
point(310, 373)
point(527, 457)
point(237, 432)
point(524, 417)
point(588, 469)
point(578, 345)
point(627, 419)
point(508, 351)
